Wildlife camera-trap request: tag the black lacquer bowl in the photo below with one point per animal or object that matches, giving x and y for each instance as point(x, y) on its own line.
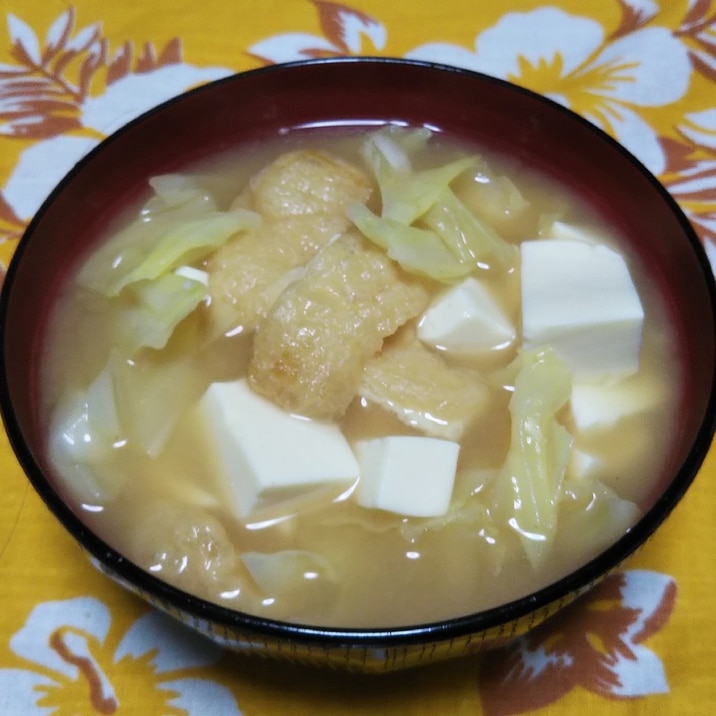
point(255, 105)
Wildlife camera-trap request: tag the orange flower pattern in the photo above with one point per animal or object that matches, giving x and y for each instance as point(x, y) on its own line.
point(65, 665)
point(49, 96)
point(596, 643)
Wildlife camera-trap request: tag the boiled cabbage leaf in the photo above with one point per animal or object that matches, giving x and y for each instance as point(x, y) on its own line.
point(529, 487)
point(471, 240)
point(180, 194)
point(418, 251)
point(592, 517)
point(406, 196)
point(84, 431)
point(407, 193)
point(151, 394)
point(146, 250)
point(296, 581)
point(394, 146)
point(277, 572)
point(154, 309)
point(422, 224)
point(146, 269)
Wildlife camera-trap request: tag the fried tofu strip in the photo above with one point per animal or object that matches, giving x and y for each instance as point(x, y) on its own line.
point(302, 198)
point(247, 274)
point(423, 391)
point(308, 183)
point(309, 353)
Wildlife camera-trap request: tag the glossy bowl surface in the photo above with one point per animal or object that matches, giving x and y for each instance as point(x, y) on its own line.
point(250, 107)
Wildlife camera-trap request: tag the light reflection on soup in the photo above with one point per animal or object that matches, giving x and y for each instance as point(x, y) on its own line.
point(156, 495)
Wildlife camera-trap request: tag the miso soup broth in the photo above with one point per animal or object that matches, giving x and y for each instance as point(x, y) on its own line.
point(216, 278)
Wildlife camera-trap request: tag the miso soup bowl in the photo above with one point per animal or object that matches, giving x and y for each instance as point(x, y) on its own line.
point(261, 104)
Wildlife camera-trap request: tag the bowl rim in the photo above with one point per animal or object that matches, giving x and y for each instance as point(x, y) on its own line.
point(395, 636)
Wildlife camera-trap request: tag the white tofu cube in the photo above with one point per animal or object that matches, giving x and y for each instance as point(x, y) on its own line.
point(571, 232)
point(583, 465)
point(466, 319)
point(409, 475)
point(580, 299)
point(270, 459)
point(596, 405)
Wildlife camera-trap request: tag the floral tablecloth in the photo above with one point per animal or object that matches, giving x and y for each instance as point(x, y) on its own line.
point(71, 642)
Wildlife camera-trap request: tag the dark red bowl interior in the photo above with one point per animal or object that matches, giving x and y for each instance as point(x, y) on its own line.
point(254, 105)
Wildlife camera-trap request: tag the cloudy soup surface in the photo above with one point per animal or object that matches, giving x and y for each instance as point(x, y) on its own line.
point(374, 378)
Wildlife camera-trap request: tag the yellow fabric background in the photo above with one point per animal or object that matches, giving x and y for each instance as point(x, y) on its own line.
point(40, 563)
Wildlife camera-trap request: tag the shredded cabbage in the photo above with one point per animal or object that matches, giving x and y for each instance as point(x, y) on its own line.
point(529, 487)
point(470, 239)
point(422, 224)
point(276, 572)
point(155, 310)
point(145, 270)
point(406, 193)
point(592, 517)
point(394, 145)
point(146, 274)
point(406, 196)
point(497, 200)
point(179, 194)
point(419, 251)
point(148, 250)
point(84, 431)
point(150, 397)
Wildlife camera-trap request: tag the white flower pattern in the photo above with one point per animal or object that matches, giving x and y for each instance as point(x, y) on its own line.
point(65, 647)
point(42, 165)
point(62, 140)
point(570, 60)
